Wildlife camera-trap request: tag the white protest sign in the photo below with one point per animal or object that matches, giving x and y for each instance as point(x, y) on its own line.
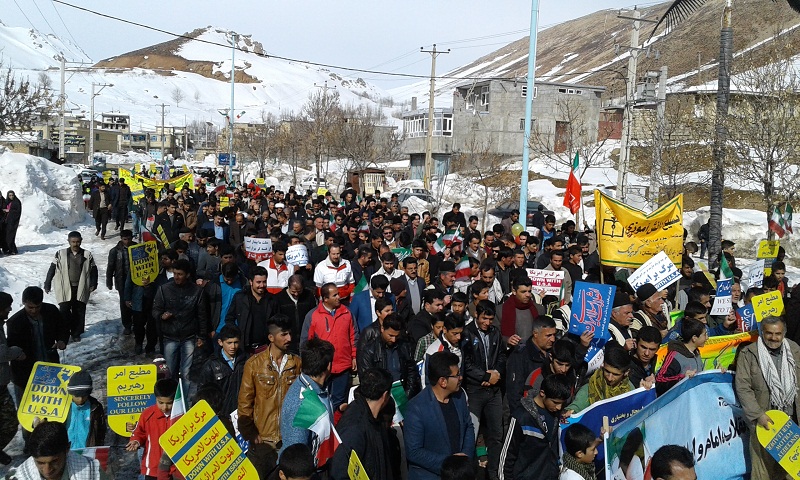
point(258, 249)
point(722, 306)
point(297, 255)
point(659, 271)
point(547, 281)
point(755, 273)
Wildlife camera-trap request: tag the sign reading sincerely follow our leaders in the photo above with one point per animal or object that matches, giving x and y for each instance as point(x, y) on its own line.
point(628, 237)
point(782, 441)
point(143, 259)
point(46, 395)
point(201, 448)
point(130, 391)
point(547, 281)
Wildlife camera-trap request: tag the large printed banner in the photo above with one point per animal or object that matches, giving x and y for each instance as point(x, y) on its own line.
point(200, 447)
point(628, 237)
point(718, 351)
point(130, 391)
point(143, 259)
point(46, 395)
point(617, 409)
point(138, 183)
point(700, 413)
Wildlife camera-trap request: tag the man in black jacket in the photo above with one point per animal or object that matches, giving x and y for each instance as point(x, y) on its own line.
point(224, 368)
point(117, 273)
point(295, 301)
point(484, 368)
point(526, 358)
point(101, 206)
point(362, 430)
point(168, 224)
point(420, 324)
point(182, 318)
point(383, 346)
point(250, 310)
point(40, 331)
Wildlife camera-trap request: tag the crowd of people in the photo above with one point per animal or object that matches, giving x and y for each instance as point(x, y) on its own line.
point(389, 306)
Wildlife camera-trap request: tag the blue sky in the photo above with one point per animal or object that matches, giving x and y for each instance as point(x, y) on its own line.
point(378, 35)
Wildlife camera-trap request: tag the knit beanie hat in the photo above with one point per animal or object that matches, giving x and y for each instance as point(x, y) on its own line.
point(645, 291)
point(80, 384)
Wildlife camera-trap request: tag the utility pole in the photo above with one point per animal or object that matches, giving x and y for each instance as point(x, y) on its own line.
point(319, 125)
point(91, 115)
point(630, 89)
point(163, 132)
point(233, 41)
point(429, 141)
point(526, 145)
point(661, 108)
point(62, 100)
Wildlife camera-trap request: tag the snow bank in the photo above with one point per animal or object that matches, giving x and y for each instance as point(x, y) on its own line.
point(50, 195)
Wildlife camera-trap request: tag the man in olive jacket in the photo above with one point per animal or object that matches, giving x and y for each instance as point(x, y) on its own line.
point(767, 374)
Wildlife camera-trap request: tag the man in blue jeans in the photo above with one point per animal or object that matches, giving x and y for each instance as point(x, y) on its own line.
point(182, 319)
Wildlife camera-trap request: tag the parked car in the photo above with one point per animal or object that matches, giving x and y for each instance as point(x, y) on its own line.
point(86, 175)
point(504, 209)
point(311, 182)
point(405, 193)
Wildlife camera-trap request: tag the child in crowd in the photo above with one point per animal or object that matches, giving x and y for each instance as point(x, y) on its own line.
point(577, 462)
point(296, 463)
point(683, 357)
point(153, 422)
point(86, 423)
point(224, 368)
point(457, 467)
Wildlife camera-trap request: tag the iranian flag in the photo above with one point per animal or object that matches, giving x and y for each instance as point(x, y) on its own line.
point(364, 227)
point(400, 401)
point(572, 197)
point(312, 415)
point(361, 285)
point(463, 270)
point(447, 239)
point(725, 271)
point(776, 223)
point(178, 406)
point(97, 453)
point(787, 219)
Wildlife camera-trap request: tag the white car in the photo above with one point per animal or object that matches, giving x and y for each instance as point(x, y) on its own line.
point(86, 175)
point(310, 183)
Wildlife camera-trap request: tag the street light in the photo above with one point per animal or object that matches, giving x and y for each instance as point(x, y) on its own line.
point(91, 117)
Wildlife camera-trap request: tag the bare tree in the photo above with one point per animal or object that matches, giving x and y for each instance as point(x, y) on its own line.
point(764, 129)
point(290, 142)
point(319, 118)
point(259, 141)
point(21, 102)
point(363, 140)
point(478, 165)
point(177, 95)
point(575, 132)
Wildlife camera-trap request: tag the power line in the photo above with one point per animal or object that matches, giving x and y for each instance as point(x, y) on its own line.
point(74, 40)
point(263, 55)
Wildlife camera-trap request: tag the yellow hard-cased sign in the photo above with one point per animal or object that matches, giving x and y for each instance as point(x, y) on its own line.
point(201, 447)
point(355, 469)
point(768, 248)
point(768, 305)
point(224, 201)
point(261, 182)
point(782, 441)
point(628, 237)
point(46, 396)
point(143, 259)
point(130, 391)
point(322, 191)
point(106, 175)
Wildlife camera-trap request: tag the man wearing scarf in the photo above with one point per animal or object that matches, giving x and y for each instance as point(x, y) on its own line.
point(516, 316)
point(766, 379)
point(608, 381)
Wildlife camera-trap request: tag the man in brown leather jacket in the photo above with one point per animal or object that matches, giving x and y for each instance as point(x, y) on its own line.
point(266, 379)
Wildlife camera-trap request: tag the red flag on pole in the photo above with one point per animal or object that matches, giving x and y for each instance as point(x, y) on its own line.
point(572, 197)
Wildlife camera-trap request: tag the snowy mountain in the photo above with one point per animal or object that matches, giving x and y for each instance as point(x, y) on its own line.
point(584, 50)
point(195, 68)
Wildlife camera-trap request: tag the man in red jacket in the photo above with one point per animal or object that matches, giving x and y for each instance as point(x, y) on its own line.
point(332, 321)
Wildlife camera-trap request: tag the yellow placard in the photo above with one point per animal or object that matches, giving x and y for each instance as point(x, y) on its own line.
point(224, 201)
point(162, 235)
point(138, 183)
point(106, 175)
point(768, 248)
point(628, 237)
point(322, 191)
point(782, 441)
point(143, 259)
point(201, 447)
point(46, 395)
point(768, 305)
point(130, 391)
point(355, 470)
point(261, 182)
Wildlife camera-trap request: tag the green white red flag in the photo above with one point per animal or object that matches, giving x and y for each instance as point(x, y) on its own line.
point(178, 406)
point(463, 270)
point(446, 239)
point(787, 219)
point(776, 223)
point(400, 401)
point(313, 415)
point(572, 197)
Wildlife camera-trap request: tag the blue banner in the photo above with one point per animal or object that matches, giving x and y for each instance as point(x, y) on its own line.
point(699, 413)
point(591, 309)
point(747, 318)
point(617, 409)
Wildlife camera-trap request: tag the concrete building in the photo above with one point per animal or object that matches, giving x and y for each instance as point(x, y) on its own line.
point(492, 113)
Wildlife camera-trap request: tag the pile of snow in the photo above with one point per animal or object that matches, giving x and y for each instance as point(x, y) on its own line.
point(50, 195)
